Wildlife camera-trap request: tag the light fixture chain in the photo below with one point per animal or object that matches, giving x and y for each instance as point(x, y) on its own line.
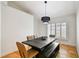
point(45, 9)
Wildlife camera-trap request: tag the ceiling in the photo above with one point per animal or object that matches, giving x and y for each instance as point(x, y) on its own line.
point(53, 9)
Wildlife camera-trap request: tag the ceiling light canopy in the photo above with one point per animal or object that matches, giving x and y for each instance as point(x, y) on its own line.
point(45, 18)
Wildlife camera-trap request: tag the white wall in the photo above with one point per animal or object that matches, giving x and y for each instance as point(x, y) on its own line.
point(0, 29)
point(71, 28)
point(77, 31)
point(15, 26)
point(39, 27)
point(36, 23)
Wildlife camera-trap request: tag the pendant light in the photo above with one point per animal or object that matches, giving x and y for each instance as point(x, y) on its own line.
point(45, 19)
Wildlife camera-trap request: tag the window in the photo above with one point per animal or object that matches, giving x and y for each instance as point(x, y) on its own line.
point(58, 29)
point(63, 30)
point(48, 30)
point(52, 29)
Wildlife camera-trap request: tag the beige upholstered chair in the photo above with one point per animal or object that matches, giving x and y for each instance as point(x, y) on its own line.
point(30, 37)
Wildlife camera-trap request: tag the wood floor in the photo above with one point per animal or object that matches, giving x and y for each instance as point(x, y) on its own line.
point(65, 51)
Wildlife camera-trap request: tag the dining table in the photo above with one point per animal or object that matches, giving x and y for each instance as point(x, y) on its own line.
point(39, 43)
point(47, 47)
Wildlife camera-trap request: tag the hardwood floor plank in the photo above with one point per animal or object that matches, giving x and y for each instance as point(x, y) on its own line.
point(66, 51)
point(12, 55)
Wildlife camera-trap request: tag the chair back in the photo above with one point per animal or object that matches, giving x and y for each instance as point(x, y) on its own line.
point(22, 50)
point(30, 37)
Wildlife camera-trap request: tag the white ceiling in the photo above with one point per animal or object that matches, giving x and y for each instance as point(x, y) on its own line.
point(54, 8)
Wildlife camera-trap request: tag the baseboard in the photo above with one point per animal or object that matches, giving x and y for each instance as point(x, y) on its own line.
point(67, 43)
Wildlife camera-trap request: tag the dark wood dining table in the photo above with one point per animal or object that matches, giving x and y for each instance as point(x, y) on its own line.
point(39, 43)
point(47, 47)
